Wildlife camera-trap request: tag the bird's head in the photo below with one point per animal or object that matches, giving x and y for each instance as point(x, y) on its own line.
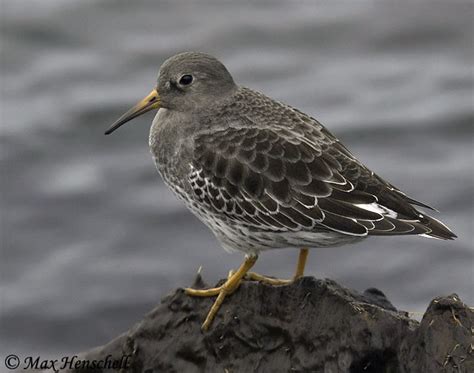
point(186, 82)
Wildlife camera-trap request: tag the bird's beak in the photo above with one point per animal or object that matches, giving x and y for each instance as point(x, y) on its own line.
point(150, 102)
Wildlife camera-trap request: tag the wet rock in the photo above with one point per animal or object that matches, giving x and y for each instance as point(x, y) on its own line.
point(444, 340)
point(309, 326)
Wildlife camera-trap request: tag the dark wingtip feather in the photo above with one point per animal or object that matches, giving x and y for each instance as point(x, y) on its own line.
point(438, 229)
point(420, 204)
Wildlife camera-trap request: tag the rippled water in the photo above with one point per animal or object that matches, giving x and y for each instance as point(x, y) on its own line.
point(91, 238)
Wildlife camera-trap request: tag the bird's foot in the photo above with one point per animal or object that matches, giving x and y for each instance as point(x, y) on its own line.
point(268, 280)
point(221, 291)
point(235, 278)
point(208, 292)
point(233, 281)
point(203, 292)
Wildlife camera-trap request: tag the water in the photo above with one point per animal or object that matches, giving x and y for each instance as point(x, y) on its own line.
point(91, 238)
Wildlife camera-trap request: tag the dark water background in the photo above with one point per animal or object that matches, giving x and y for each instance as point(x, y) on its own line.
point(91, 238)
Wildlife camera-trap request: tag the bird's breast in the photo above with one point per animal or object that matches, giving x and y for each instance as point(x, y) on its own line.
point(170, 143)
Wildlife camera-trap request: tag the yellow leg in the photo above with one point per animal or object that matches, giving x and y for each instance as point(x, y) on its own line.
point(303, 255)
point(232, 283)
point(301, 263)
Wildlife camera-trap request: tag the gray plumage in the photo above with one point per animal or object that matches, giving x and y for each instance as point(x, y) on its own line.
point(261, 174)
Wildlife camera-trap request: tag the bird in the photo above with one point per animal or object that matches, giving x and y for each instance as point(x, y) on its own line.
point(262, 175)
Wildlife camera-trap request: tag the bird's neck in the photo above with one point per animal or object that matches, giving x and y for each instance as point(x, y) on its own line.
point(168, 134)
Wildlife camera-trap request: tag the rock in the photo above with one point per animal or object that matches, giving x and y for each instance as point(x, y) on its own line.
point(308, 326)
point(443, 342)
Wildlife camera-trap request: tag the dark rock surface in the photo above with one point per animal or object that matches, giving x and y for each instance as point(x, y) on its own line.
point(309, 326)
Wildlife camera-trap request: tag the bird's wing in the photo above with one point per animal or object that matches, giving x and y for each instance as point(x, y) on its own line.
point(271, 180)
point(285, 171)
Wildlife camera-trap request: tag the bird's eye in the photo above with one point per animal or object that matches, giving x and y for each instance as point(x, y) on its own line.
point(186, 80)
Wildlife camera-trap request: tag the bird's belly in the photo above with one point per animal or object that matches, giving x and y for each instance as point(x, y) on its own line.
point(235, 236)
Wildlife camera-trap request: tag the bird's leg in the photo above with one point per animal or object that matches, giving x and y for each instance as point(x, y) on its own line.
point(232, 283)
point(300, 266)
point(303, 255)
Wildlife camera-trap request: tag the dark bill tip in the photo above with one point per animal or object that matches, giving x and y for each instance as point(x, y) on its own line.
point(150, 102)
